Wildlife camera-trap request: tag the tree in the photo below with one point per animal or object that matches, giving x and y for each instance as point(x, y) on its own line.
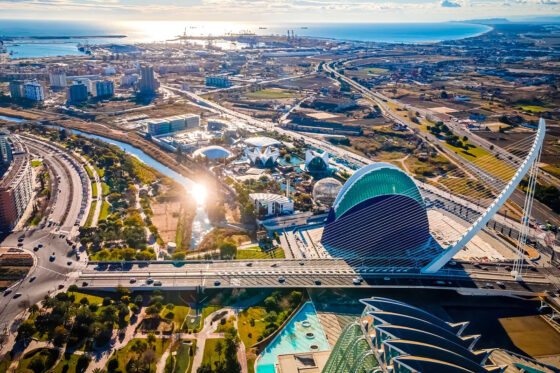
point(82, 364)
point(26, 330)
point(149, 357)
point(60, 335)
point(228, 250)
point(219, 349)
point(37, 365)
point(73, 288)
point(270, 303)
point(151, 339)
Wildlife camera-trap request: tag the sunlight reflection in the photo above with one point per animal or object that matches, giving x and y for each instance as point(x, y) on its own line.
point(199, 193)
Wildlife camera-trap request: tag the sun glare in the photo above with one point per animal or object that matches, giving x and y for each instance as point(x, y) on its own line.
point(199, 193)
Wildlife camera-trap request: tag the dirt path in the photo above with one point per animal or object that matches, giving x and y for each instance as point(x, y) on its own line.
point(100, 357)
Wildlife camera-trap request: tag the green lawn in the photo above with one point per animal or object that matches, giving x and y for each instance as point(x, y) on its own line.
point(48, 356)
point(125, 354)
point(92, 299)
point(256, 253)
point(100, 171)
point(179, 314)
point(554, 171)
point(90, 214)
point(210, 356)
point(485, 161)
point(94, 190)
point(36, 163)
point(248, 333)
point(90, 174)
point(374, 70)
point(104, 211)
point(67, 364)
point(183, 362)
point(5, 363)
point(270, 94)
point(105, 188)
point(534, 108)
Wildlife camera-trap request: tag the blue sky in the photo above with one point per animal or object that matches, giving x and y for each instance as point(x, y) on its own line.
point(276, 10)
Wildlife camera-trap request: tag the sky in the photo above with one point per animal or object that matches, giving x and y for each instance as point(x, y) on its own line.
point(263, 11)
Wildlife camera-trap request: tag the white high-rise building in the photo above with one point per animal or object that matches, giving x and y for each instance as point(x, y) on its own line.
point(84, 81)
point(34, 91)
point(57, 79)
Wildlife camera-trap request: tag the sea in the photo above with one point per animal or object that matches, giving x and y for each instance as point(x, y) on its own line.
point(46, 41)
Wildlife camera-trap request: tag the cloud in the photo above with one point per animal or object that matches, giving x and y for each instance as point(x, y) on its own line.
point(450, 4)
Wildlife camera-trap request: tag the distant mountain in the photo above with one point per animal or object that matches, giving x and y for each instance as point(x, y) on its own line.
point(515, 19)
point(488, 21)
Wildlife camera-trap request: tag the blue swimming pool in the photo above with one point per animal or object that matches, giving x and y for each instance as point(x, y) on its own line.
point(293, 339)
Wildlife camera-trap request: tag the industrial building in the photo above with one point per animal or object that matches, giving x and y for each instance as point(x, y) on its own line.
point(34, 91)
point(15, 184)
point(269, 204)
point(392, 336)
point(163, 126)
point(380, 215)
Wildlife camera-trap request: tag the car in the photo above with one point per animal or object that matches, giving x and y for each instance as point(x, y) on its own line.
point(20, 239)
point(157, 283)
point(84, 284)
point(17, 295)
point(301, 263)
point(317, 282)
point(132, 280)
point(217, 283)
point(489, 285)
point(387, 278)
point(274, 265)
point(40, 245)
point(500, 284)
point(20, 244)
point(52, 258)
point(281, 279)
point(32, 278)
point(60, 286)
point(249, 264)
point(149, 281)
point(7, 291)
point(357, 281)
point(69, 263)
point(36, 248)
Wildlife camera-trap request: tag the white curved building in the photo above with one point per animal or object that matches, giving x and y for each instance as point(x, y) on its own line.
point(270, 204)
point(260, 158)
point(262, 142)
point(212, 152)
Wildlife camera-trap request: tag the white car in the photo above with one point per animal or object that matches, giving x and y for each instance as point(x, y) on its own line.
point(357, 281)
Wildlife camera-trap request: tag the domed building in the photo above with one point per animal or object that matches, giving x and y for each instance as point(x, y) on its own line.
point(379, 215)
point(326, 190)
point(212, 152)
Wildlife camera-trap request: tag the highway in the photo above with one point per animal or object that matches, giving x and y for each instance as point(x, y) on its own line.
point(67, 205)
point(335, 273)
